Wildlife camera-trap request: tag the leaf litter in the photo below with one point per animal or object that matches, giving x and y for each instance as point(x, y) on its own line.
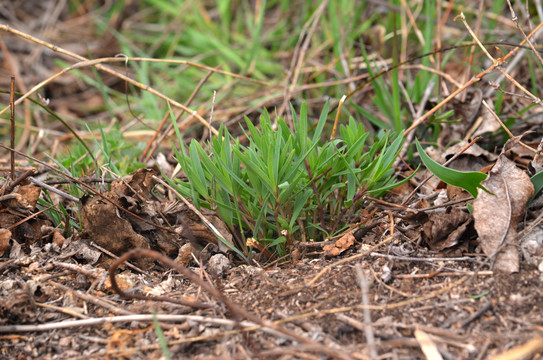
point(497, 213)
point(57, 301)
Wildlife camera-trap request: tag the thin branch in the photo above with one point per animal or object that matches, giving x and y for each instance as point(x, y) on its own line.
point(368, 328)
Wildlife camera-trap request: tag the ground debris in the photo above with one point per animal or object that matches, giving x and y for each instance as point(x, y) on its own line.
point(126, 218)
point(498, 212)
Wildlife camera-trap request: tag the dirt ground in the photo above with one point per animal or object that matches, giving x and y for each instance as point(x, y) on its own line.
point(464, 314)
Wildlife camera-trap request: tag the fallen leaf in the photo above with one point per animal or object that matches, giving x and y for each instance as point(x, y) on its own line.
point(125, 281)
point(80, 250)
point(30, 194)
point(5, 236)
point(445, 230)
point(103, 225)
point(345, 242)
point(185, 254)
point(58, 239)
point(497, 215)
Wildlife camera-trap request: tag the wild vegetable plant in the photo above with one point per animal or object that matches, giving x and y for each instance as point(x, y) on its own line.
point(285, 185)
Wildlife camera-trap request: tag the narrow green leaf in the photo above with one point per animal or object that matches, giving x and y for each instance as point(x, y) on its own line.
point(198, 176)
point(386, 188)
point(321, 123)
point(214, 170)
point(467, 180)
point(161, 339)
point(390, 155)
point(255, 165)
point(537, 181)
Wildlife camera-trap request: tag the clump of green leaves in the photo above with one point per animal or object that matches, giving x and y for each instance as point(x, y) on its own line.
point(284, 185)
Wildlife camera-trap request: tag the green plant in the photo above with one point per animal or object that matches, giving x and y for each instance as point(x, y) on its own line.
point(161, 338)
point(467, 180)
point(284, 184)
point(537, 181)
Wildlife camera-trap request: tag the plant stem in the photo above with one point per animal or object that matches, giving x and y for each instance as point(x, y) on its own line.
point(317, 197)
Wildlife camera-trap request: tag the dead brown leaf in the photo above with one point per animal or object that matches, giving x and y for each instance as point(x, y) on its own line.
point(345, 242)
point(497, 215)
point(15, 212)
point(444, 230)
point(30, 194)
point(5, 236)
point(104, 225)
point(161, 225)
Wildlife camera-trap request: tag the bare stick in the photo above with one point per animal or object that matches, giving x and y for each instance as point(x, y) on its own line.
point(52, 189)
point(498, 62)
point(206, 222)
point(497, 118)
point(12, 129)
point(117, 319)
point(333, 136)
point(424, 259)
point(515, 19)
point(368, 329)
point(148, 152)
point(88, 188)
point(97, 64)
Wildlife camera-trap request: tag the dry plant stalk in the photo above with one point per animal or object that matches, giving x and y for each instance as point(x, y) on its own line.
point(473, 80)
point(97, 63)
point(12, 128)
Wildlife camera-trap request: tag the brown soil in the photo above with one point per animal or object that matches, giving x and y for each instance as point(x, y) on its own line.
point(465, 314)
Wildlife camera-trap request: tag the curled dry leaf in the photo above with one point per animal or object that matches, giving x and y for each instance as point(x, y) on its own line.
point(104, 225)
point(497, 215)
point(5, 236)
point(30, 195)
point(445, 230)
point(345, 242)
point(16, 208)
point(218, 265)
point(125, 281)
point(58, 239)
point(185, 254)
point(118, 231)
